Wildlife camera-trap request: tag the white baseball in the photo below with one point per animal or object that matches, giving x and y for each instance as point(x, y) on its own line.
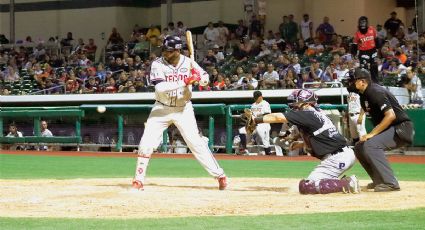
point(101, 109)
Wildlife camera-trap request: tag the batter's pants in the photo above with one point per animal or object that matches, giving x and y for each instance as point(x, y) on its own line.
point(184, 119)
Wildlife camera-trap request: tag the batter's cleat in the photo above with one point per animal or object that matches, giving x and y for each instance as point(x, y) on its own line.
point(353, 185)
point(137, 185)
point(222, 183)
point(386, 188)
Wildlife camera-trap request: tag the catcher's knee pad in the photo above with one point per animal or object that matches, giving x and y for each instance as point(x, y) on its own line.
point(307, 187)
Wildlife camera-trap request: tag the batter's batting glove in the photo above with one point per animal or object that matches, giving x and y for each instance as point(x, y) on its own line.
point(195, 76)
point(247, 119)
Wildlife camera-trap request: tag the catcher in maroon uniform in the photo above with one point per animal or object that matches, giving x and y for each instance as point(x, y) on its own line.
point(320, 138)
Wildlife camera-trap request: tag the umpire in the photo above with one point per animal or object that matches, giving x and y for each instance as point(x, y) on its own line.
point(392, 129)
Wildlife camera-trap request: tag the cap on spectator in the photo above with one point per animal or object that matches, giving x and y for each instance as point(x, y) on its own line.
point(393, 13)
point(108, 72)
point(313, 60)
point(216, 46)
point(257, 94)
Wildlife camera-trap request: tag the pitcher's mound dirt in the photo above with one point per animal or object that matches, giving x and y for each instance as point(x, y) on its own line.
point(172, 197)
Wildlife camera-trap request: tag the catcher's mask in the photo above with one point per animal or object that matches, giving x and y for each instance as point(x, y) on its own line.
point(300, 97)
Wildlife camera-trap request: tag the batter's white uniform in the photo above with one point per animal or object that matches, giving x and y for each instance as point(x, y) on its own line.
point(354, 109)
point(263, 129)
point(173, 106)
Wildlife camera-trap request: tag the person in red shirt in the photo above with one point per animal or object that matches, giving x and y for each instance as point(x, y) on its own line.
point(365, 46)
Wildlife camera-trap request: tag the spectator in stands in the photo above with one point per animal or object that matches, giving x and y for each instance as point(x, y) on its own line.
point(315, 70)
point(411, 34)
point(289, 80)
point(140, 85)
point(3, 39)
point(181, 30)
point(209, 60)
point(68, 42)
point(316, 48)
point(264, 51)
point(305, 78)
point(247, 82)
point(171, 29)
point(219, 83)
point(393, 24)
point(153, 34)
point(91, 49)
point(395, 68)
point(91, 85)
point(325, 31)
point(283, 28)
point(255, 26)
point(223, 32)
point(72, 84)
point(270, 39)
point(10, 74)
point(88, 144)
point(124, 88)
point(110, 86)
point(338, 46)
point(270, 78)
point(115, 38)
point(306, 28)
point(292, 30)
point(211, 35)
point(228, 85)
point(301, 47)
point(239, 54)
point(218, 53)
point(414, 86)
point(241, 31)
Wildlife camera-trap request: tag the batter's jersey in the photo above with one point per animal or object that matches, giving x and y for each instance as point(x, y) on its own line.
point(318, 132)
point(365, 41)
point(162, 71)
point(354, 105)
point(261, 108)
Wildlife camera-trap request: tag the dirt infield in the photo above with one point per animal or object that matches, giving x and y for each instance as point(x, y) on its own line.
point(178, 197)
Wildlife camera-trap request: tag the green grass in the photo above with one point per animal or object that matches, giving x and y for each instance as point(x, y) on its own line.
point(60, 167)
point(406, 219)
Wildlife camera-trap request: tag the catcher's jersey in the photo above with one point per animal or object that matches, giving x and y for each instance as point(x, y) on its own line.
point(161, 71)
point(261, 108)
point(317, 130)
point(354, 105)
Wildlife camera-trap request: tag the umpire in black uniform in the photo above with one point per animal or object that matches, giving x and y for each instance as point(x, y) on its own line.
point(392, 129)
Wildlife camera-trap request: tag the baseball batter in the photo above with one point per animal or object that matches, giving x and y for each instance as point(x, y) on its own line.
point(356, 117)
point(322, 140)
point(173, 75)
point(261, 107)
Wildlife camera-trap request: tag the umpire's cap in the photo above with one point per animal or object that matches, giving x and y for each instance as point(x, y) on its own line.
point(361, 73)
point(172, 43)
point(257, 94)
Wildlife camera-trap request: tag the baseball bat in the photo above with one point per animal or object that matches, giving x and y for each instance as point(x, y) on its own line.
point(189, 41)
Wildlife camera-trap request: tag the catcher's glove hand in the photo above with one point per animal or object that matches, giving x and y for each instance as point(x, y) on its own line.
point(248, 120)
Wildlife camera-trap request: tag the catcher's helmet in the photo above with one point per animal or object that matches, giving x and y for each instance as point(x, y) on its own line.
point(172, 43)
point(301, 96)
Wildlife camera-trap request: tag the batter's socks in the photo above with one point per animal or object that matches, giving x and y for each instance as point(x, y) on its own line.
point(142, 165)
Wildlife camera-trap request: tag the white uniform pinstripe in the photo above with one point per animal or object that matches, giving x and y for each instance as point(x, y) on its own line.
point(354, 108)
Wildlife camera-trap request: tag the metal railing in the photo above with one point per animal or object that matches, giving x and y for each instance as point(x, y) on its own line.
point(332, 83)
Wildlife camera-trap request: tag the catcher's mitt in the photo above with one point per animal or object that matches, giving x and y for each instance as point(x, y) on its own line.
point(248, 120)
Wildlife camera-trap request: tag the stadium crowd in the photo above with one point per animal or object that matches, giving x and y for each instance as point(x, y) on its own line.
point(244, 57)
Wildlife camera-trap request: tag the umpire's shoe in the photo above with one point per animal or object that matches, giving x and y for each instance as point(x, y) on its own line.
point(386, 188)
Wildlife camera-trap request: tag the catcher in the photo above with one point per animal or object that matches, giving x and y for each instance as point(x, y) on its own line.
point(320, 138)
